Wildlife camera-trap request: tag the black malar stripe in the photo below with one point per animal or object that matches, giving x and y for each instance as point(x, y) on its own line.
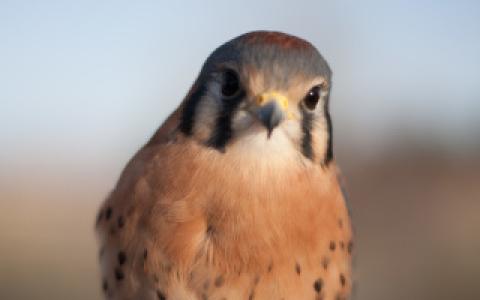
point(329, 151)
point(223, 125)
point(307, 124)
point(188, 114)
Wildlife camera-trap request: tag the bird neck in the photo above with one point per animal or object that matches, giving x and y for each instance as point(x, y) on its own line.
point(255, 205)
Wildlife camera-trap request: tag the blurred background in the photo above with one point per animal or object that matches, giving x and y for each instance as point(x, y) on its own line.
point(85, 83)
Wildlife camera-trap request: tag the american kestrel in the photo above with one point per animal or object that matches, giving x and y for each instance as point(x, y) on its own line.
point(237, 195)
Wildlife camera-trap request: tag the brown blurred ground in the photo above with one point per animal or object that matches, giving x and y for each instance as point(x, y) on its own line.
point(416, 213)
point(417, 220)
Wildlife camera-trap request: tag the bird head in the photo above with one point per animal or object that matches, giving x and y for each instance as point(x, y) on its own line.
point(266, 86)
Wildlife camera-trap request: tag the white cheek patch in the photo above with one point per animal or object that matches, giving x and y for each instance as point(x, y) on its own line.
point(293, 131)
point(321, 103)
point(319, 130)
point(323, 93)
point(241, 121)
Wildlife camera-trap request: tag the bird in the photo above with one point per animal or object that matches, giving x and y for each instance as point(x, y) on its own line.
point(237, 195)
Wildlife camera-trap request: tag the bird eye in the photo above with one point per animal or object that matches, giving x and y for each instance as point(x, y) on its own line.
point(231, 83)
point(312, 97)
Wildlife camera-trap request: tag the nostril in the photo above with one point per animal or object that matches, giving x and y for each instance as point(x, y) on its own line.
point(261, 100)
point(268, 97)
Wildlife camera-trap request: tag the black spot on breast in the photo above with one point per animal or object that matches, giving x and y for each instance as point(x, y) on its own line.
point(160, 295)
point(191, 276)
point(343, 280)
point(145, 254)
point(119, 274)
point(120, 222)
point(209, 229)
point(219, 281)
point(108, 213)
point(350, 247)
point(206, 284)
point(325, 262)
point(298, 269)
point(332, 246)
point(317, 285)
point(256, 280)
point(105, 285)
point(121, 257)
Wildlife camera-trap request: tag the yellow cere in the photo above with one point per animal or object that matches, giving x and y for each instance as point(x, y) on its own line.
point(279, 98)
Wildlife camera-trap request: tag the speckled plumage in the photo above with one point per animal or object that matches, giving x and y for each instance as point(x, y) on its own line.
point(256, 216)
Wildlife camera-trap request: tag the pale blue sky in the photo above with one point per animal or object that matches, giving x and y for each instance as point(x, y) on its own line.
point(93, 79)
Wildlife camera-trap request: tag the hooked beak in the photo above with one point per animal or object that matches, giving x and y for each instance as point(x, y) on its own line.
point(272, 109)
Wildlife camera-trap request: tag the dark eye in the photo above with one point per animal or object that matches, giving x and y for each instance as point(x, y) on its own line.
point(312, 97)
point(231, 83)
